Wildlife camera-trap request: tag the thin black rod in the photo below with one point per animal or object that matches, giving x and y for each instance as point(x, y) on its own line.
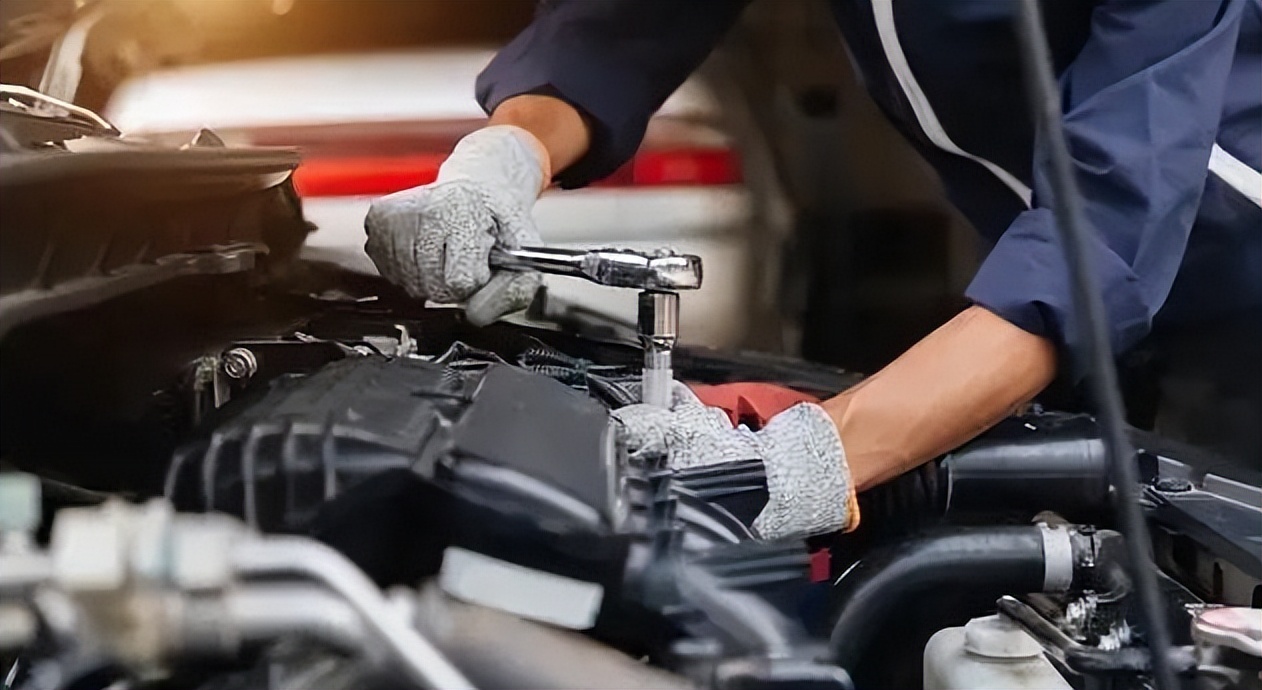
point(1045, 100)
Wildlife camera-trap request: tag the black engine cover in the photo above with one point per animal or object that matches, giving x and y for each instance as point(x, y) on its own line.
point(504, 433)
point(395, 461)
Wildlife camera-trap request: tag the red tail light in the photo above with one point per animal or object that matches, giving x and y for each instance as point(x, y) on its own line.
point(365, 175)
point(378, 174)
point(685, 167)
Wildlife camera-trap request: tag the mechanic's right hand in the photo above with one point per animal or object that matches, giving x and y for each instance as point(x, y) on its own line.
point(809, 490)
point(435, 241)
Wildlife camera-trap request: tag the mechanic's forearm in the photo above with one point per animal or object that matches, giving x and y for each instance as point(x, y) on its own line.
point(558, 128)
point(952, 385)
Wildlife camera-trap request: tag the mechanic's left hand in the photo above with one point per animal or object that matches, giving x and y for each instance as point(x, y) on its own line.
point(807, 477)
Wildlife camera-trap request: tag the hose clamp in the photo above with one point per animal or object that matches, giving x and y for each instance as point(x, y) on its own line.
point(1058, 558)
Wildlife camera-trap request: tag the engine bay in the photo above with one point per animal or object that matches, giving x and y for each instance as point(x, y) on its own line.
point(270, 473)
point(483, 463)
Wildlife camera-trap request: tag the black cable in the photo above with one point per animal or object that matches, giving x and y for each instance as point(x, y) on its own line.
point(1044, 96)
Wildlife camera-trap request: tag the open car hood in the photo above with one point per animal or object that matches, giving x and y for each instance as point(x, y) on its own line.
point(90, 215)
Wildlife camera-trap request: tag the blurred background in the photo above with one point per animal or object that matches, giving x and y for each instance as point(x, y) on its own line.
point(822, 232)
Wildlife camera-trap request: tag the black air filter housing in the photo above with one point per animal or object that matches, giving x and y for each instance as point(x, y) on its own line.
point(413, 467)
point(395, 460)
point(508, 436)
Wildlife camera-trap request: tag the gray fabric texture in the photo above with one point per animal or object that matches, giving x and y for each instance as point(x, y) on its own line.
point(435, 240)
point(808, 480)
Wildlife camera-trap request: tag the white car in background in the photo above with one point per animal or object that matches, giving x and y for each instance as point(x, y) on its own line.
point(372, 124)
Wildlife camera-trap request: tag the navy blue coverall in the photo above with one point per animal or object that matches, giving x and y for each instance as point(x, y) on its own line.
point(1162, 103)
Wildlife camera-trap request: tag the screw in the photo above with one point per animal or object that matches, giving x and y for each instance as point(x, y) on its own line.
point(239, 364)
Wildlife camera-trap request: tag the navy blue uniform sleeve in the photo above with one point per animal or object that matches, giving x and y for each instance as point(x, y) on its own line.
point(1142, 103)
point(616, 61)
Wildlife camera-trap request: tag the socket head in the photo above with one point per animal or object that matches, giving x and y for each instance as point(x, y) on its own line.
point(658, 322)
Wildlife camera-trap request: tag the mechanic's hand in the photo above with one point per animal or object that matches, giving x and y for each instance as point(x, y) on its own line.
point(435, 241)
point(807, 477)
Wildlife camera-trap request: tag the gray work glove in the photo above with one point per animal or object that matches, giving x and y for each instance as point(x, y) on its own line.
point(808, 481)
point(435, 241)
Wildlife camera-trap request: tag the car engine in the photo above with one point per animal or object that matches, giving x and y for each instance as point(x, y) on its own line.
point(234, 468)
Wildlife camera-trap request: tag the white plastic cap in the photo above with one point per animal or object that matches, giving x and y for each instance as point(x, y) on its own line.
point(996, 637)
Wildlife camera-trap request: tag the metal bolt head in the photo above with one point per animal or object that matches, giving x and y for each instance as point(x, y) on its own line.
point(1172, 485)
point(239, 363)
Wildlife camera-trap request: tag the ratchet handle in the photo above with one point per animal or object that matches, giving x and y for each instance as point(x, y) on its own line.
point(566, 262)
point(622, 268)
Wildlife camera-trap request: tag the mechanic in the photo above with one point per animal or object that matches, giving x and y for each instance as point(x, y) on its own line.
point(1163, 112)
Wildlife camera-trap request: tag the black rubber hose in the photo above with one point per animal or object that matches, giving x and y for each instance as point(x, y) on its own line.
point(1027, 465)
point(1045, 104)
point(1004, 559)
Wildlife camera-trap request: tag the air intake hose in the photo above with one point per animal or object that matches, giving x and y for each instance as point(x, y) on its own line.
point(1026, 465)
point(1022, 467)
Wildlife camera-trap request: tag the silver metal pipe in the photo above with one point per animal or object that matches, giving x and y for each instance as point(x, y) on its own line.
point(501, 650)
point(419, 658)
point(260, 613)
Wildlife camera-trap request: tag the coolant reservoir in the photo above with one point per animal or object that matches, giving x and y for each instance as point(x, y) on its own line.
point(989, 653)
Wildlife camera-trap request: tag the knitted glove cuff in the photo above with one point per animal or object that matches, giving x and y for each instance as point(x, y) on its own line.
point(505, 158)
point(807, 476)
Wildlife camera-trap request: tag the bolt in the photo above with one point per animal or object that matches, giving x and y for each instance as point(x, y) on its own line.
point(1172, 485)
point(239, 364)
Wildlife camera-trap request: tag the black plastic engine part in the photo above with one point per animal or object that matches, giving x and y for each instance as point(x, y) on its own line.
point(738, 487)
point(1029, 464)
point(84, 227)
point(436, 329)
point(1227, 528)
point(309, 438)
point(396, 461)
